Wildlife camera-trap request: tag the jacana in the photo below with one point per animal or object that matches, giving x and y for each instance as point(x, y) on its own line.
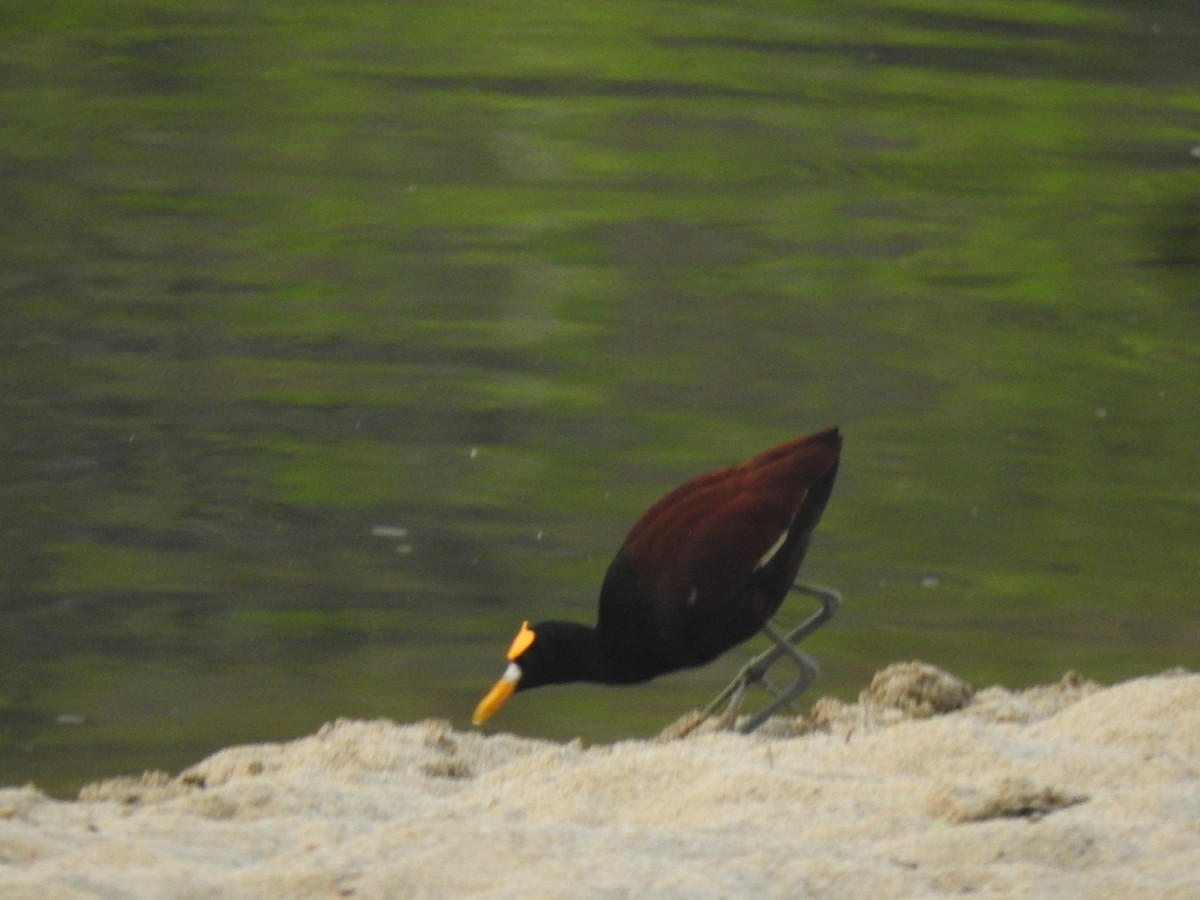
point(703, 570)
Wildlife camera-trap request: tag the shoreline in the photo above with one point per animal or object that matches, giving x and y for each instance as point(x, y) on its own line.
point(923, 788)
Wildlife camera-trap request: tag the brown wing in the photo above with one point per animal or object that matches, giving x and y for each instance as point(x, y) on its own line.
point(694, 550)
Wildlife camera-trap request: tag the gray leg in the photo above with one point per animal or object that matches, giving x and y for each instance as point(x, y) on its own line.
point(807, 672)
point(756, 669)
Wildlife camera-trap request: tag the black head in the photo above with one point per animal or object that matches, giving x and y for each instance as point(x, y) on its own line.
point(547, 653)
point(558, 654)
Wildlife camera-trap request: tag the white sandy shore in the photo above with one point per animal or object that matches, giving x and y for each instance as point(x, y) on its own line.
point(1070, 790)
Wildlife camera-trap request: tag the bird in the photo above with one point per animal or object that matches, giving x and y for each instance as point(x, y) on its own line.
point(703, 570)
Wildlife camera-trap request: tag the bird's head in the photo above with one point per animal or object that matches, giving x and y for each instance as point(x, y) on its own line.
point(546, 653)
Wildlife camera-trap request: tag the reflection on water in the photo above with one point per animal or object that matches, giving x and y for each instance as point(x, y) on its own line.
point(336, 343)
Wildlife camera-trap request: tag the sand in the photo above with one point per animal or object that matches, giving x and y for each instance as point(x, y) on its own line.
point(921, 789)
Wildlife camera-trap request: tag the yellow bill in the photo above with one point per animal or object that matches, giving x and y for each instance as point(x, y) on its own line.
point(500, 692)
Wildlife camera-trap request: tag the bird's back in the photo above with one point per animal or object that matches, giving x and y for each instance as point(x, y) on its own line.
point(708, 564)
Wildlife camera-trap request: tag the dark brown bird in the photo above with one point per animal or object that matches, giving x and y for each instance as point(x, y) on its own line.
point(703, 570)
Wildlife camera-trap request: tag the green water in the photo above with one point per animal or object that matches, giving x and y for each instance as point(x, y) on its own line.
point(336, 339)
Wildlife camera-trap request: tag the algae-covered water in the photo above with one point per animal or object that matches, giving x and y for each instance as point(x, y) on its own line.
point(335, 340)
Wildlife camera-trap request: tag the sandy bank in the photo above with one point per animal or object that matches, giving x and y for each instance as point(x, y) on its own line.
point(1069, 790)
